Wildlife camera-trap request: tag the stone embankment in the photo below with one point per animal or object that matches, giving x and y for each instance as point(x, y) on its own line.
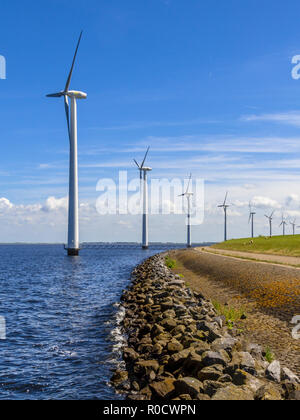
point(178, 348)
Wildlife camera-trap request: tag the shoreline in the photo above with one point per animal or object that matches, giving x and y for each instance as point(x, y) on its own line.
point(179, 348)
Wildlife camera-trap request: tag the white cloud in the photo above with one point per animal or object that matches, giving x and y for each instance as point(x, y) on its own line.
point(290, 118)
point(5, 204)
point(53, 204)
point(265, 202)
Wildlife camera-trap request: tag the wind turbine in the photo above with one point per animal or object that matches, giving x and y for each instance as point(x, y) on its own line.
point(225, 207)
point(143, 177)
point(73, 224)
point(188, 196)
point(251, 219)
point(270, 218)
point(294, 226)
point(283, 224)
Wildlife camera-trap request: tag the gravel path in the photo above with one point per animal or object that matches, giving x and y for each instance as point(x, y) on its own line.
point(270, 294)
point(276, 259)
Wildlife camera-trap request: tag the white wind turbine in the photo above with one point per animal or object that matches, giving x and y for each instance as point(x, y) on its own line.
point(225, 206)
point(73, 224)
point(188, 196)
point(283, 224)
point(270, 218)
point(251, 219)
point(143, 177)
point(294, 226)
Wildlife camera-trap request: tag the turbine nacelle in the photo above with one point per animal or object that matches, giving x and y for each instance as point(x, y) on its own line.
point(146, 169)
point(76, 94)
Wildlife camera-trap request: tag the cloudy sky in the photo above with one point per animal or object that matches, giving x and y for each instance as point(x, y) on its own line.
point(207, 84)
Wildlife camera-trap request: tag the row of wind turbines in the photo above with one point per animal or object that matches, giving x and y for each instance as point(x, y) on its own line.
point(252, 213)
point(73, 245)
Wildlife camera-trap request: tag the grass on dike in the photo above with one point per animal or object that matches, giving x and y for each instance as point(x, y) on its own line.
point(277, 245)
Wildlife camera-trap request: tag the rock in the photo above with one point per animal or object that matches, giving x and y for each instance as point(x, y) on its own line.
point(289, 376)
point(268, 392)
point(200, 347)
point(169, 324)
point(157, 349)
point(211, 387)
point(178, 283)
point(119, 377)
point(179, 329)
point(244, 361)
point(233, 393)
point(169, 314)
point(213, 334)
point(130, 354)
point(273, 371)
point(174, 346)
point(220, 320)
point(203, 397)
point(179, 358)
point(212, 373)
point(144, 367)
point(185, 397)
point(193, 363)
point(190, 386)
point(224, 343)
point(241, 377)
point(292, 391)
point(163, 389)
point(255, 350)
point(210, 358)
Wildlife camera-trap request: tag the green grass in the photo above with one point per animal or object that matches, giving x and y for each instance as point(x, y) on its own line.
point(269, 356)
point(170, 263)
point(231, 314)
point(277, 245)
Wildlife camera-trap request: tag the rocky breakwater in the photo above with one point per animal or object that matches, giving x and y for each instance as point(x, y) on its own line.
point(178, 348)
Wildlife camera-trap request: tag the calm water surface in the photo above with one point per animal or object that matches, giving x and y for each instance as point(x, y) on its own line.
point(61, 315)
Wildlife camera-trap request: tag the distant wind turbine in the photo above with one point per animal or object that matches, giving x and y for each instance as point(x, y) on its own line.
point(270, 218)
point(283, 224)
point(251, 219)
point(188, 196)
point(294, 226)
point(225, 206)
point(143, 177)
point(73, 223)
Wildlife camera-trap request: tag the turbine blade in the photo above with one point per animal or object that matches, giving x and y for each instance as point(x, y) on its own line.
point(225, 198)
point(55, 95)
point(67, 115)
point(136, 163)
point(249, 219)
point(142, 165)
point(72, 67)
point(187, 190)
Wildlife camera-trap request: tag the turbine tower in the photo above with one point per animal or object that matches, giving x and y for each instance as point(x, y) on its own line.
point(283, 224)
point(294, 226)
point(270, 218)
point(73, 224)
point(188, 196)
point(143, 177)
point(225, 206)
point(251, 219)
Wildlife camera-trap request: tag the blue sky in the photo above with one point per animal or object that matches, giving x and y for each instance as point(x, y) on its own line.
point(206, 83)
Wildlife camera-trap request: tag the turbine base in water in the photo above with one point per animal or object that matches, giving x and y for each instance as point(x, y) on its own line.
point(72, 252)
point(145, 247)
